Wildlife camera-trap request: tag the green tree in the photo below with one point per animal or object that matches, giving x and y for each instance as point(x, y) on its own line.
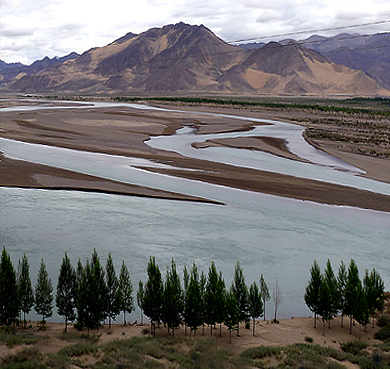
point(186, 282)
point(255, 304)
point(9, 297)
point(341, 284)
point(334, 294)
point(97, 292)
point(126, 292)
point(312, 292)
point(241, 292)
point(264, 292)
point(193, 303)
point(211, 298)
point(66, 290)
point(323, 305)
point(153, 293)
point(113, 296)
point(361, 312)
point(220, 294)
point(140, 299)
point(26, 293)
point(351, 291)
point(375, 293)
point(231, 312)
point(81, 294)
point(173, 299)
point(43, 294)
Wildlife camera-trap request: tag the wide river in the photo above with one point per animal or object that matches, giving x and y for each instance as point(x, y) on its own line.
point(271, 235)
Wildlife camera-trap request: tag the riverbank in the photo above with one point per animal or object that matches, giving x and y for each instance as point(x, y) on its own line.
point(119, 346)
point(122, 130)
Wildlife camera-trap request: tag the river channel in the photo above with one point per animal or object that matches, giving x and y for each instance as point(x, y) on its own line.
point(275, 236)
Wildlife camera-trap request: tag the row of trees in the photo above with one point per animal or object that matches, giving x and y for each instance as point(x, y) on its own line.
point(201, 300)
point(328, 295)
point(91, 294)
point(95, 293)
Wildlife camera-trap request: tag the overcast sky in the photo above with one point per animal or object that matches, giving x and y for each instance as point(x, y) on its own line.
point(33, 29)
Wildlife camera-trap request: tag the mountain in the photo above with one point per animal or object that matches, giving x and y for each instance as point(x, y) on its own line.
point(183, 57)
point(13, 71)
point(294, 70)
point(369, 53)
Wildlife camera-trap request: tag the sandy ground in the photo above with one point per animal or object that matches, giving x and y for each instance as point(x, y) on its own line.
point(288, 331)
point(123, 130)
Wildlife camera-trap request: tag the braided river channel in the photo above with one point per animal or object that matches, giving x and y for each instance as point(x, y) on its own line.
point(275, 236)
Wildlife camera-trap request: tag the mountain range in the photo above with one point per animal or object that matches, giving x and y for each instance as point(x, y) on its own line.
point(187, 58)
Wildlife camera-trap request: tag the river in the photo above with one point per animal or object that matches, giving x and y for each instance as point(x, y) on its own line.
point(275, 236)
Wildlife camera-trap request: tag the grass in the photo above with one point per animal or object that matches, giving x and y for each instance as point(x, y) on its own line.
point(11, 337)
point(148, 352)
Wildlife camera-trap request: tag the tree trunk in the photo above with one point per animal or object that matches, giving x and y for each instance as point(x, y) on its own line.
point(211, 329)
point(230, 336)
point(220, 329)
point(109, 323)
point(323, 327)
point(238, 329)
point(66, 324)
point(373, 318)
point(124, 317)
point(350, 324)
point(253, 327)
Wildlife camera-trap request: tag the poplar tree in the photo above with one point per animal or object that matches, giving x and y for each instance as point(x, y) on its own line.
point(97, 292)
point(341, 284)
point(334, 294)
point(173, 299)
point(43, 294)
point(26, 293)
point(220, 294)
point(193, 303)
point(241, 292)
point(361, 312)
point(255, 304)
point(153, 293)
point(186, 282)
point(81, 294)
point(140, 299)
point(375, 293)
point(66, 290)
point(313, 289)
point(113, 297)
point(211, 297)
point(126, 292)
point(9, 299)
point(231, 312)
point(351, 291)
point(264, 292)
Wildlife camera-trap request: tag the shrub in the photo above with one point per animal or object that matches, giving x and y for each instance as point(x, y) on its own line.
point(383, 334)
point(309, 339)
point(353, 347)
point(382, 320)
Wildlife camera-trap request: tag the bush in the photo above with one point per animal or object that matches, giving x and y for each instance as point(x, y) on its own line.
point(309, 339)
point(353, 347)
point(383, 320)
point(383, 334)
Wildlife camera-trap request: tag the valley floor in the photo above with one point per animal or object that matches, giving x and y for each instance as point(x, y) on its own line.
point(124, 130)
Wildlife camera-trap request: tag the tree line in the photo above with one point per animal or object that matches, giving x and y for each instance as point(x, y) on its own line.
point(95, 293)
point(328, 295)
point(89, 294)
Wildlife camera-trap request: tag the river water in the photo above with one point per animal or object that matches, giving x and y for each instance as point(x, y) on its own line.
point(274, 236)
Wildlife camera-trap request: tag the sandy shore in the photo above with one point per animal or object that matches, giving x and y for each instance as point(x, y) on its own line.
point(123, 130)
point(287, 332)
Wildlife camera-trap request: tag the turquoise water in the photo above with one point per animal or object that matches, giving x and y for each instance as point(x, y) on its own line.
point(274, 236)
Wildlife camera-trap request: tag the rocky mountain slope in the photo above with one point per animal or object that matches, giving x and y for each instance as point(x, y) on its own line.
point(185, 58)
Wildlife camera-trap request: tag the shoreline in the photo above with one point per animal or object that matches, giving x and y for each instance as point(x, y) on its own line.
point(123, 131)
